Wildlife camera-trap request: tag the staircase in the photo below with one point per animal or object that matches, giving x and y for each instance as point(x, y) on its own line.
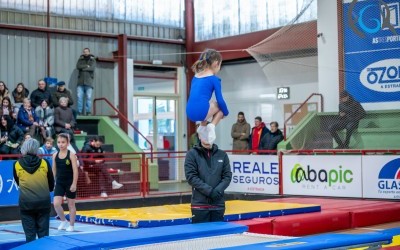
point(123, 171)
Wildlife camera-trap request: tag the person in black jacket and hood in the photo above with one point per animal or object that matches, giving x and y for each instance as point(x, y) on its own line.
point(35, 179)
point(350, 114)
point(11, 136)
point(208, 171)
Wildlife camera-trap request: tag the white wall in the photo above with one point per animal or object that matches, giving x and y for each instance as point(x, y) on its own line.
point(246, 88)
point(328, 67)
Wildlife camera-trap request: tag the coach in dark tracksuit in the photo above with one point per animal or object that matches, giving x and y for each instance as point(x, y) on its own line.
point(208, 171)
point(35, 180)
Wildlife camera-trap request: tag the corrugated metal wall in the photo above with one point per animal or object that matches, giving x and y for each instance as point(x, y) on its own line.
point(24, 53)
point(23, 57)
point(64, 53)
point(90, 24)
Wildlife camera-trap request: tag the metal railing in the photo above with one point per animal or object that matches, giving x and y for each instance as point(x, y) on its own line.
point(123, 117)
point(299, 108)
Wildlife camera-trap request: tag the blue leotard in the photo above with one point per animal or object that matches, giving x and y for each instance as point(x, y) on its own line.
point(199, 98)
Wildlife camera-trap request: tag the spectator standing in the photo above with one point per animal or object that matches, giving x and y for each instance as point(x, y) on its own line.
point(208, 171)
point(3, 91)
point(66, 172)
point(35, 179)
point(40, 94)
point(46, 119)
point(27, 120)
point(257, 132)
point(240, 133)
point(86, 66)
point(271, 139)
point(95, 164)
point(11, 136)
point(350, 114)
point(19, 94)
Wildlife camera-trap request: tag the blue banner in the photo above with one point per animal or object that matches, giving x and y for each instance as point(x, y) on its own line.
point(372, 50)
point(8, 187)
point(9, 190)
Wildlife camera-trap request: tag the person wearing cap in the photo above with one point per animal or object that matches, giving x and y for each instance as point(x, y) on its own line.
point(35, 179)
point(62, 91)
point(350, 114)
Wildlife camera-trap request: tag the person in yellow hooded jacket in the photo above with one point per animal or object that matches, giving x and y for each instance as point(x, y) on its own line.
point(35, 179)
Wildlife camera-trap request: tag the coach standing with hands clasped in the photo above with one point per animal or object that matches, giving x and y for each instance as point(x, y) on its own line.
point(208, 171)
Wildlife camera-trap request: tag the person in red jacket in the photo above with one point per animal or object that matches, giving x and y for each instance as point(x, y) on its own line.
point(257, 132)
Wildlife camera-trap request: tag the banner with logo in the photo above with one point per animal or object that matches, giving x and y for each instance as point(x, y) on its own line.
point(372, 49)
point(254, 174)
point(381, 177)
point(8, 187)
point(320, 175)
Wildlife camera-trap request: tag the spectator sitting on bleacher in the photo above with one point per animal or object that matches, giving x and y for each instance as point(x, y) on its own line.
point(6, 107)
point(11, 136)
point(40, 94)
point(95, 164)
point(47, 149)
point(64, 121)
point(19, 94)
point(62, 91)
point(3, 91)
point(350, 114)
point(27, 120)
point(46, 119)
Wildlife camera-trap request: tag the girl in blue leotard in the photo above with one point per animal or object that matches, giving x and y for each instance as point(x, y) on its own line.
point(200, 107)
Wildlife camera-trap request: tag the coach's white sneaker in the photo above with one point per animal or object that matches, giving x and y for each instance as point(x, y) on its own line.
point(63, 225)
point(103, 195)
point(116, 185)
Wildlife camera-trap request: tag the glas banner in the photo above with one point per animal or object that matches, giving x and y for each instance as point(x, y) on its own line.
point(381, 176)
point(372, 50)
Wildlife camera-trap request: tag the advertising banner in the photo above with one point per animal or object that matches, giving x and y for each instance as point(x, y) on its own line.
point(381, 177)
point(254, 174)
point(318, 175)
point(371, 50)
point(8, 187)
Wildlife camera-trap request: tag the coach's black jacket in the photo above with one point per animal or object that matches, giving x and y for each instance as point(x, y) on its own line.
point(205, 170)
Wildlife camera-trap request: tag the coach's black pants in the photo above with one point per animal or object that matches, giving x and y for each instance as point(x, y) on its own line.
point(35, 222)
point(202, 215)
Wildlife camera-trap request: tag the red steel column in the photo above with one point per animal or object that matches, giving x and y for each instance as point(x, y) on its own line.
point(123, 79)
point(190, 59)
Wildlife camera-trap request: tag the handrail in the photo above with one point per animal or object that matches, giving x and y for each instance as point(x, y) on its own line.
point(295, 112)
point(125, 119)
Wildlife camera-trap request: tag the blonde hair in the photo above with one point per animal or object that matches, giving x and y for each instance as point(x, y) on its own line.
point(206, 59)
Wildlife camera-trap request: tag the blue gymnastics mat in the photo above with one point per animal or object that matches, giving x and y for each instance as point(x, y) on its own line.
point(325, 241)
point(130, 237)
point(12, 234)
